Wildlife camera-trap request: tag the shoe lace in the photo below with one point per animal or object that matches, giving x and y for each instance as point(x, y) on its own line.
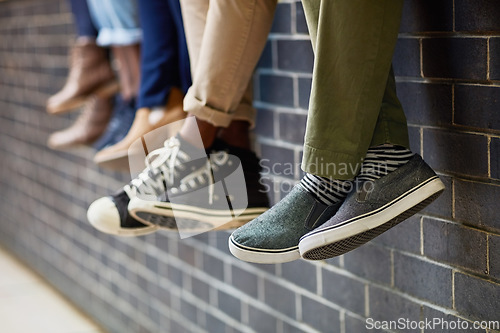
point(162, 165)
point(204, 175)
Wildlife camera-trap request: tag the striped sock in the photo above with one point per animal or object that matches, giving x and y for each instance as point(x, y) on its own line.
point(325, 190)
point(381, 160)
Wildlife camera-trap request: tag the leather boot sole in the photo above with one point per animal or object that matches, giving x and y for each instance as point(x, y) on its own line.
point(104, 90)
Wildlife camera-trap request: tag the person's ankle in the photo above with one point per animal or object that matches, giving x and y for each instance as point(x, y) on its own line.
point(237, 134)
point(328, 191)
point(195, 128)
point(383, 159)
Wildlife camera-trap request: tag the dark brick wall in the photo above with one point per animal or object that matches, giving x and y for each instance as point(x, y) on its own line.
point(443, 263)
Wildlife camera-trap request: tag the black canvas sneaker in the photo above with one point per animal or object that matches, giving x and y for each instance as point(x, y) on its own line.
point(110, 215)
point(194, 193)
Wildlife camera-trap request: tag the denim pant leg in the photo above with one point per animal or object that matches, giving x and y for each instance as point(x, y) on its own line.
point(117, 22)
point(164, 56)
point(83, 22)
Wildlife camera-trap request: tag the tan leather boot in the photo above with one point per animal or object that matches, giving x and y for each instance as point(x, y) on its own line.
point(128, 58)
point(90, 74)
point(116, 156)
point(88, 127)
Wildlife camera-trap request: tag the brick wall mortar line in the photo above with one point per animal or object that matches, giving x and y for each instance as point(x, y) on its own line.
point(421, 137)
point(277, 110)
point(449, 81)
point(367, 299)
point(453, 17)
point(298, 307)
point(245, 313)
point(488, 152)
point(260, 288)
point(488, 59)
point(293, 18)
point(421, 223)
point(342, 322)
point(277, 143)
point(421, 57)
point(453, 290)
point(295, 82)
point(274, 36)
point(448, 34)
point(279, 327)
point(284, 73)
point(274, 55)
point(488, 263)
point(453, 199)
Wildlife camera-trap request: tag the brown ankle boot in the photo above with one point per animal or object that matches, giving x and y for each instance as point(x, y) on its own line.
point(88, 127)
point(128, 58)
point(90, 74)
point(116, 156)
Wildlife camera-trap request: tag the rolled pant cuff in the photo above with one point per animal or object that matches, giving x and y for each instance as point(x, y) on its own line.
point(119, 37)
point(217, 117)
point(331, 164)
point(246, 113)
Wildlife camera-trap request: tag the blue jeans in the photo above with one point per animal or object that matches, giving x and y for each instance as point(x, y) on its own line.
point(83, 22)
point(117, 22)
point(164, 56)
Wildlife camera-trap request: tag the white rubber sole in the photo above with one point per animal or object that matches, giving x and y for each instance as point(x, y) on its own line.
point(217, 219)
point(406, 203)
point(263, 256)
point(126, 233)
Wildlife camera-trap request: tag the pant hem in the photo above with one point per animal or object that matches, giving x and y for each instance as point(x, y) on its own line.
point(215, 116)
point(331, 164)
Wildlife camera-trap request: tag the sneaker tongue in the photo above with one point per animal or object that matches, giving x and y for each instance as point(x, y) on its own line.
point(191, 150)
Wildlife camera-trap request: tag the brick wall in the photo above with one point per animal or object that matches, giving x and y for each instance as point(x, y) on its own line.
point(443, 263)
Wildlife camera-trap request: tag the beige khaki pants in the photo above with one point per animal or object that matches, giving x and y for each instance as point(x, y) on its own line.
point(225, 39)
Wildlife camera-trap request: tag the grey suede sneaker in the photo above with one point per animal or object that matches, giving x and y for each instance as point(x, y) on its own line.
point(372, 209)
point(274, 236)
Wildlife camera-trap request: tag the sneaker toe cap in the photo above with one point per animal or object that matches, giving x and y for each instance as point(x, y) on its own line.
point(103, 215)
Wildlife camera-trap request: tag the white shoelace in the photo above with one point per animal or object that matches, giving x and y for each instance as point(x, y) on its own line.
point(202, 175)
point(165, 163)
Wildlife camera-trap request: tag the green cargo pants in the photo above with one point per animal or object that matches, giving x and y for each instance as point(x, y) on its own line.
point(353, 103)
